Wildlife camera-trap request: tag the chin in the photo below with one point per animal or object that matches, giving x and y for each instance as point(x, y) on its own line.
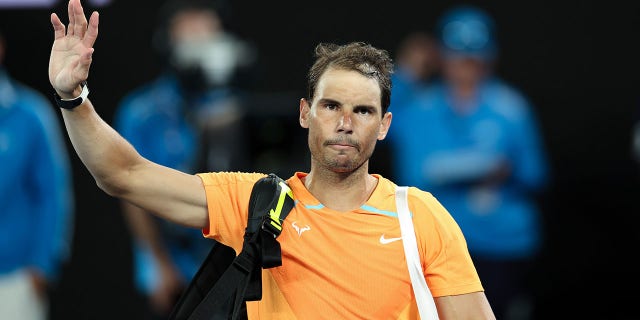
point(343, 170)
point(341, 167)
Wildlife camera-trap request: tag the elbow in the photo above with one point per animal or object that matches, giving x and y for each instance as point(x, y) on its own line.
point(119, 179)
point(114, 187)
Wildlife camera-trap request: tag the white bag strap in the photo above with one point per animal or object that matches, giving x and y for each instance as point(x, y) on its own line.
point(426, 305)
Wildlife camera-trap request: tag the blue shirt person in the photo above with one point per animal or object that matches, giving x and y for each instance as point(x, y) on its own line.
point(189, 118)
point(473, 141)
point(153, 119)
point(36, 200)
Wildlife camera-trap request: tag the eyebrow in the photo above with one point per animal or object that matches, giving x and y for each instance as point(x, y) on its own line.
point(327, 100)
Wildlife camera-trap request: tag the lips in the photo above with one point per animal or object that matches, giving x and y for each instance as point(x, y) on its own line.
point(342, 145)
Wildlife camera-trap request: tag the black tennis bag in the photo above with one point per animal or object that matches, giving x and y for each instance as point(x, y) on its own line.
point(224, 281)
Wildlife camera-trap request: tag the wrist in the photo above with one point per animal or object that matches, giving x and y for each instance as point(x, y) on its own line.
point(76, 98)
point(70, 95)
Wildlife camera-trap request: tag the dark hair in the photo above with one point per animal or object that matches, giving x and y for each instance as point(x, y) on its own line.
point(369, 61)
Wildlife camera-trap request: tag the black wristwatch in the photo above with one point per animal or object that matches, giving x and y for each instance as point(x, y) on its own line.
point(72, 103)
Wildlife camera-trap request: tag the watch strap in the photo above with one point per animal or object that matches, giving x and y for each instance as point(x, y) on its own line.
point(72, 103)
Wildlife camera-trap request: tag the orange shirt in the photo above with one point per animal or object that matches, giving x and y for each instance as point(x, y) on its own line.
point(344, 265)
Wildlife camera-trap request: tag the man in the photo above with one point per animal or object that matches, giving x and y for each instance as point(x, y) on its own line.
point(178, 120)
point(36, 199)
point(337, 268)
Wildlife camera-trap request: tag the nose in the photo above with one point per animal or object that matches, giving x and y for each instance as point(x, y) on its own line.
point(345, 124)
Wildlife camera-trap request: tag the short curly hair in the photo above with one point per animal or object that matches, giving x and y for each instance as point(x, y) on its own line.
point(369, 61)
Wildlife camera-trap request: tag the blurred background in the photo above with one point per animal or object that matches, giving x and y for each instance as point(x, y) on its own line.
point(577, 62)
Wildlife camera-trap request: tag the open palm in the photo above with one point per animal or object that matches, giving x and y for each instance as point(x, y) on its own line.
point(72, 49)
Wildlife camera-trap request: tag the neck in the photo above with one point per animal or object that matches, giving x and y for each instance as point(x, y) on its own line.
point(463, 97)
point(341, 191)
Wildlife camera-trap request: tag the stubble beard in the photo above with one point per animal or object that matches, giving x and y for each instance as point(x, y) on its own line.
point(347, 164)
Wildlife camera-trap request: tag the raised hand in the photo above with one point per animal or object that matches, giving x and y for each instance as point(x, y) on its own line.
point(72, 50)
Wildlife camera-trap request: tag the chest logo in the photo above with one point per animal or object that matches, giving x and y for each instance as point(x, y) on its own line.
point(299, 229)
point(384, 240)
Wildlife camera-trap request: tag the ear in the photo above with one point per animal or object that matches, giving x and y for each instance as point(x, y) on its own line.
point(305, 109)
point(384, 125)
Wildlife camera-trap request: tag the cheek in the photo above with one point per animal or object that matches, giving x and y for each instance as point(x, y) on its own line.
point(375, 130)
point(315, 134)
point(381, 132)
point(320, 126)
point(369, 139)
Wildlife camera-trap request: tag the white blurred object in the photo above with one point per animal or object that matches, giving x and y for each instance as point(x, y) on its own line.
point(217, 56)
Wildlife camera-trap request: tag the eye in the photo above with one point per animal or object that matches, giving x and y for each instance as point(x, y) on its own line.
point(363, 110)
point(331, 106)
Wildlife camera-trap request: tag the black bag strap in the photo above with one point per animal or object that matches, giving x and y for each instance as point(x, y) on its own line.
point(211, 296)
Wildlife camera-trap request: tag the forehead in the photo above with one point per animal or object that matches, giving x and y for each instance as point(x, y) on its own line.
point(348, 87)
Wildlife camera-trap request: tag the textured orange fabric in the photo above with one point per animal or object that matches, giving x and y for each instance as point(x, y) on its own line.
point(344, 265)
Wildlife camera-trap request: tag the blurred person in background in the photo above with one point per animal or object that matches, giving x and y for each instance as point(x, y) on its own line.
point(416, 65)
point(36, 199)
point(189, 118)
point(472, 140)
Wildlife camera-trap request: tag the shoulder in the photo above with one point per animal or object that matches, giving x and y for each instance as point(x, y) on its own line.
point(32, 96)
point(29, 98)
point(424, 201)
point(33, 104)
point(230, 180)
point(151, 97)
point(421, 203)
point(228, 190)
point(506, 100)
point(430, 96)
point(429, 213)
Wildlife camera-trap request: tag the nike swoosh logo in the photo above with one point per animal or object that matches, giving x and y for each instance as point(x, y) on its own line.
point(384, 240)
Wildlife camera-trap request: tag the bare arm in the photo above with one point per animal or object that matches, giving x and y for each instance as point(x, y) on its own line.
point(470, 306)
point(145, 229)
point(115, 165)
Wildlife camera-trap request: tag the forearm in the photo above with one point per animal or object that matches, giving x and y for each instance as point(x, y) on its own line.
point(115, 165)
point(460, 167)
point(145, 231)
point(473, 306)
point(106, 154)
point(122, 172)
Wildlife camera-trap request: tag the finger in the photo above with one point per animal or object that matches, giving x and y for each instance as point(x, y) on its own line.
point(72, 18)
point(81, 66)
point(92, 33)
point(58, 26)
point(80, 20)
point(85, 58)
point(85, 63)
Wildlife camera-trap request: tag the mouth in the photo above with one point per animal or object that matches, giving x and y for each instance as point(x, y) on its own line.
point(342, 145)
